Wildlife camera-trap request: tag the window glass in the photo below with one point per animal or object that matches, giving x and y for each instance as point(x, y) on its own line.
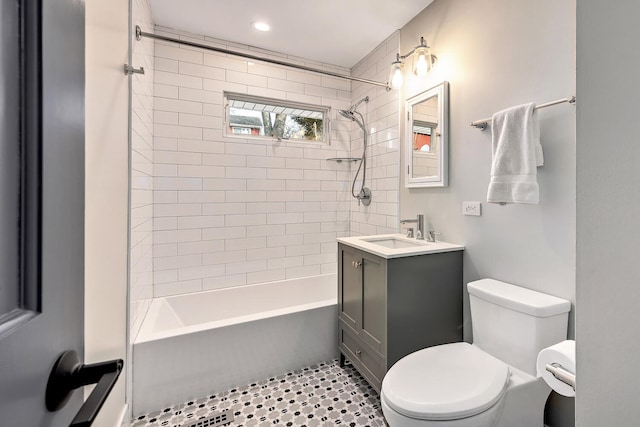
point(422, 132)
point(268, 118)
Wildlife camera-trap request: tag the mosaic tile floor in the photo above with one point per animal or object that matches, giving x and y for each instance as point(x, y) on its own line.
point(320, 395)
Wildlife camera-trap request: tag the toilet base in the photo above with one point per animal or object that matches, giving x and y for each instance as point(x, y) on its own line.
point(524, 401)
point(484, 419)
point(522, 406)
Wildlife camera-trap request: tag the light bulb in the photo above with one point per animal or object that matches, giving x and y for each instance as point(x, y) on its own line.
point(396, 80)
point(421, 62)
point(395, 77)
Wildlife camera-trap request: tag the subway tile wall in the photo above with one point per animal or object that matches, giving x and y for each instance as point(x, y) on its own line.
point(230, 211)
point(141, 258)
point(383, 147)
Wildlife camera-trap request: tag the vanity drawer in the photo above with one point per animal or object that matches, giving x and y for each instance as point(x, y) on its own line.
point(368, 362)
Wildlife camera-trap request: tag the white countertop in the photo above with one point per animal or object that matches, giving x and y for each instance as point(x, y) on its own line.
point(367, 243)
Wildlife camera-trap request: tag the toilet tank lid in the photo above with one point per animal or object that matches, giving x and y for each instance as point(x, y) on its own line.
point(518, 298)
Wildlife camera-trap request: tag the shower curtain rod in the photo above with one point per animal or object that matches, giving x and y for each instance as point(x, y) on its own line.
point(140, 34)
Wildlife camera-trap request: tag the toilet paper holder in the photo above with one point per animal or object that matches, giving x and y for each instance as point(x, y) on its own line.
point(561, 374)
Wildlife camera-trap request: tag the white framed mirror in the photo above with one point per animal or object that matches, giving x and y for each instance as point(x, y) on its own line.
point(427, 138)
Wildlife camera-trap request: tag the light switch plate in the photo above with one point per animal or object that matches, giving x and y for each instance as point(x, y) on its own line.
point(471, 208)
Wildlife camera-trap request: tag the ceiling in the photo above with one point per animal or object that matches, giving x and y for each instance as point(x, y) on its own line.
point(339, 32)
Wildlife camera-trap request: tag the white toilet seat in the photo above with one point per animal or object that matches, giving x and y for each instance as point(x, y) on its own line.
point(445, 382)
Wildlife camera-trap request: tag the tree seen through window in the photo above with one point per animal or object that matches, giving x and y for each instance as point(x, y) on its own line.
point(268, 118)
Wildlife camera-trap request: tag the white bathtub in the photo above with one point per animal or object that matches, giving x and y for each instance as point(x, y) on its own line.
point(201, 343)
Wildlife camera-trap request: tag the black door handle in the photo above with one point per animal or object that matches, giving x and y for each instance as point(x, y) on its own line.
point(69, 373)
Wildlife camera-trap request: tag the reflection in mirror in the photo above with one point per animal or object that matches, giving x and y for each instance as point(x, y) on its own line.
point(426, 138)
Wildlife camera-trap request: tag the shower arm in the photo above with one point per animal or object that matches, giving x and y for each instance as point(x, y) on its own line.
point(355, 106)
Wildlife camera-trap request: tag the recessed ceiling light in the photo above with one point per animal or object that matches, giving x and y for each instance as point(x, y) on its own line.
point(260, 26)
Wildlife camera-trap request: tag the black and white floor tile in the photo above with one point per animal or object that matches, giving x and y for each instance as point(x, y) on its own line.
point(320, 395)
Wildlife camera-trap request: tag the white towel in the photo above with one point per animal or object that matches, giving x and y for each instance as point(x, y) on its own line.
point(516, 153)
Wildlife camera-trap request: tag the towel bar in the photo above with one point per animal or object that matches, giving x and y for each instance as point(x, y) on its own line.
point(482, 124)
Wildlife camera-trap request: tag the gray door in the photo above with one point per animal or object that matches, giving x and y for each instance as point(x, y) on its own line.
point(42, 197)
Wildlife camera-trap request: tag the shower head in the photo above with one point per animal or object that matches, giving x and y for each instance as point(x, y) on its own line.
point(347, 114)
point(351, 115)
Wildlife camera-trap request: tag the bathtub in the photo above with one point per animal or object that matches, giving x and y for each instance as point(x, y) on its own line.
point(202, 343)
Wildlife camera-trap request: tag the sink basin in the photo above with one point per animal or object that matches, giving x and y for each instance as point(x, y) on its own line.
point(394, 242)
point(397, 245)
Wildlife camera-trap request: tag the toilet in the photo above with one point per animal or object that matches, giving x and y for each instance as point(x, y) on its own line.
point(490, 383)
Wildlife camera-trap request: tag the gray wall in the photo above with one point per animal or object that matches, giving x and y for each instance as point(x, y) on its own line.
point(608, 208)
point(523, 51)
point(496, 54)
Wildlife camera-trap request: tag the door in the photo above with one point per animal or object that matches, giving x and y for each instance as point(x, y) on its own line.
point(42, 196)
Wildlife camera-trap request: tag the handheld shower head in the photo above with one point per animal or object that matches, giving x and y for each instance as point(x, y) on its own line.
point(347, 114)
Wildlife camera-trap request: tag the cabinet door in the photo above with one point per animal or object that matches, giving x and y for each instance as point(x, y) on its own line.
point(374, 301)
point(350, 286)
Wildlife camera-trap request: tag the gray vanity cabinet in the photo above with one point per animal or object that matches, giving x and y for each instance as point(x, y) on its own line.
point(389, 308)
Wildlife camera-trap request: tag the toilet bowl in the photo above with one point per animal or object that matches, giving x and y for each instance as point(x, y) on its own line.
point(459, 385)
point(489, 383)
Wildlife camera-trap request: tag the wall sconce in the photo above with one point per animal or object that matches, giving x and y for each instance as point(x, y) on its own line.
point(423, 62)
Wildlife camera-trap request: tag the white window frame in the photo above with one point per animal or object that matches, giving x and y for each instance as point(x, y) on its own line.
point(326, 122)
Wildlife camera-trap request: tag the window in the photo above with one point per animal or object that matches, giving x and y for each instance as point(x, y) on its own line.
point(253, 116)
point(422, 133)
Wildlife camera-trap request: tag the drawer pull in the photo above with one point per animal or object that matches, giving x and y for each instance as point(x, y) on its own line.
point(358, 353)
point(357, 264)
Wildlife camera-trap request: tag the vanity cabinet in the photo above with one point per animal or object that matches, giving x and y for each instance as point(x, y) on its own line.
point(389, 308)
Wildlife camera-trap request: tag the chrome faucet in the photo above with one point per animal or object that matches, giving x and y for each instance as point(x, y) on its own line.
point(420, 222)
point(431, 235)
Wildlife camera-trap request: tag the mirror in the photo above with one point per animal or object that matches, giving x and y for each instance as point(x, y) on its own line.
point(426, 138)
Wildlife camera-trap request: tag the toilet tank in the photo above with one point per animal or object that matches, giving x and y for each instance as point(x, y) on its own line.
point(514, 323)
